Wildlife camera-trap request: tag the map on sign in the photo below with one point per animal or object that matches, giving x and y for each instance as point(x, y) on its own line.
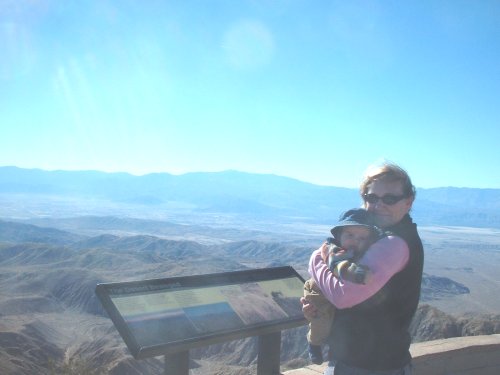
point(154, 316)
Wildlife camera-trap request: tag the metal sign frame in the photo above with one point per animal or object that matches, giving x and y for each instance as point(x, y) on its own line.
point(276, 289)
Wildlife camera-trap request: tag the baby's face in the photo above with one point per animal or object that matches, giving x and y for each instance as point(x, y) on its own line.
point(357, 238)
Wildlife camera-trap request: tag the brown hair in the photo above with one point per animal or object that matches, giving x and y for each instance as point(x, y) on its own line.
point(389, 172)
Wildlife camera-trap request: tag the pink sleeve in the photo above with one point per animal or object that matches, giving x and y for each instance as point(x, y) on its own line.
point(384, 258)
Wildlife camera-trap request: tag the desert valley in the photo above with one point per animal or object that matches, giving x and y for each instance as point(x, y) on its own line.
point(55, 249)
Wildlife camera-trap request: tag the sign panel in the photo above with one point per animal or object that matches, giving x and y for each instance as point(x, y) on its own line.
point(164, 316)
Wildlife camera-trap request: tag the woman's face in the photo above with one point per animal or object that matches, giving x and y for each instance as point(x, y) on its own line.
point(386, 215)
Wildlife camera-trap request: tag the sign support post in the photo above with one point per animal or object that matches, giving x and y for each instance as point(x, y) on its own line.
point(268, 360)
point(177, 363)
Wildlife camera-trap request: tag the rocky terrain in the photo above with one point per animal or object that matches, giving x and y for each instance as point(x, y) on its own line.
point(63, 232)
point(51, 320)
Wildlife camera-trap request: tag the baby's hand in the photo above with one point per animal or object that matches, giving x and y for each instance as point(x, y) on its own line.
point(356, 274)
point(325, 250)
point(308, 309)
point(339, 256)
point(368, 276)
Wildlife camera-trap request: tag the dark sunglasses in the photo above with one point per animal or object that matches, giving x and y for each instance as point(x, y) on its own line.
point(388, 199)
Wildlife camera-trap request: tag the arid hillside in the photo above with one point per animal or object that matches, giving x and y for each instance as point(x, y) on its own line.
point(51, 319)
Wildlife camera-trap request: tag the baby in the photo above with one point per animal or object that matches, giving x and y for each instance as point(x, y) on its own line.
point(352, 236)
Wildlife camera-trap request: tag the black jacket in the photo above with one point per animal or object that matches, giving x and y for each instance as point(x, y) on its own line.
point(374, 334)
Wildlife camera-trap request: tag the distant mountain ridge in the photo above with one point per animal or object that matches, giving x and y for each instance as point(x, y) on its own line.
point(239, 193)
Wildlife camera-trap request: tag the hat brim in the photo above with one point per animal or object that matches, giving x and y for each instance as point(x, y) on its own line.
point(335, 231)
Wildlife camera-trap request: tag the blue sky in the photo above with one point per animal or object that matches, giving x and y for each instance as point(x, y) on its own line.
point(314, 90)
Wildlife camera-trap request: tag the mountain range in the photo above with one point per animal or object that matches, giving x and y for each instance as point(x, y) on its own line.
point(229, 193)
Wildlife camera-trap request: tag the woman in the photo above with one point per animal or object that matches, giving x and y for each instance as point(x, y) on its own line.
point(370, 334)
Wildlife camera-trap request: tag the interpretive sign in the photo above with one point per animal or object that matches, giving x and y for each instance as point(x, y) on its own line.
point(165, 316)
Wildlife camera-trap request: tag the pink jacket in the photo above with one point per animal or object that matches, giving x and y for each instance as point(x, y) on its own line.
point(384, 258)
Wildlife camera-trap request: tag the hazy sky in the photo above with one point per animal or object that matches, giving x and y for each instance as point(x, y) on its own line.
point(314, 90)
